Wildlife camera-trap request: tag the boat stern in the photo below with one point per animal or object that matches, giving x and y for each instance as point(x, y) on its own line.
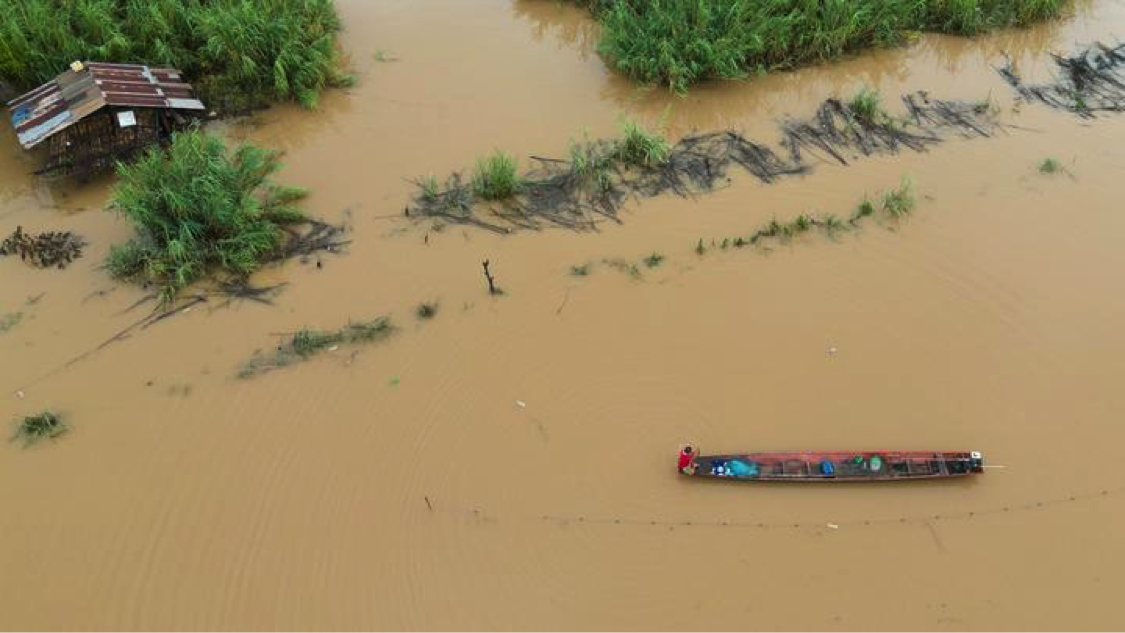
point(976, 461)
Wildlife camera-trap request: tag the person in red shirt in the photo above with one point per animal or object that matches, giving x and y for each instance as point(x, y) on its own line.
point(687, 459)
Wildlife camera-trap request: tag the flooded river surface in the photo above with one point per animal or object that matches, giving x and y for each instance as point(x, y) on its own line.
point(508, 464)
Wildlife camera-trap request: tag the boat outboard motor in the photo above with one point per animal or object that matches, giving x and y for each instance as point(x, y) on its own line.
point(977, 461)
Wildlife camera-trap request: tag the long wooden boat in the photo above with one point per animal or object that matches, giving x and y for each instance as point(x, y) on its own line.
point(838, 465)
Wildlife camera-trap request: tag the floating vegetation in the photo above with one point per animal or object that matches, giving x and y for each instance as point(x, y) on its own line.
point(1087, 82)
point(9, 321)
point(238, 54)
point(426, 310)
point(305, 344)
point(42, 426)
point(654, 260)
point(199, 210)
point(53, 248)
point(581, 271)
point(600, 176)
point(896, 204)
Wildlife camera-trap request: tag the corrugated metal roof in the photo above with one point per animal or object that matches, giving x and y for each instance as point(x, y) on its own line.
point(72, 96)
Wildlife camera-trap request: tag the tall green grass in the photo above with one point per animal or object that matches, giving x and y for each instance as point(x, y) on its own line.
point(198, 208)
point(678, 42)
point(238, 52)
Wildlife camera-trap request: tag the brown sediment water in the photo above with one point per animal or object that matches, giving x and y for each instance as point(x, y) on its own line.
point(508, 464)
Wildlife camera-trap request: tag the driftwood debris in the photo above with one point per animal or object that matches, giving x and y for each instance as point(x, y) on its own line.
point(1086, 82)
point(593, 186)
point(53, 248)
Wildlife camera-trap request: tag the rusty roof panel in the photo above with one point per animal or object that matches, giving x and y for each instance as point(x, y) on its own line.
point(74, 95)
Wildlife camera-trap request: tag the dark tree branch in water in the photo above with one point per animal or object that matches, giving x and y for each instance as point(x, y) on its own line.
point(492, 289)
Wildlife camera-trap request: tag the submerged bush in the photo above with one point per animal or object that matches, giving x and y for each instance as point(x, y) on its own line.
point(198, 208)
point(237, 52)
point(678, 42)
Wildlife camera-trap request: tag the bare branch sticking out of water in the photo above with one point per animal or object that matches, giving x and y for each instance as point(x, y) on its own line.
point(308, 343)
point(600, 176)
point(1087, 82)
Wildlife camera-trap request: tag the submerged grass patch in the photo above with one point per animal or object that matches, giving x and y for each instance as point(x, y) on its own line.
point(199, 209)
point(896, 203)
point(679, 42)
point(1050, 166)
point(9, 321)
point(899, 202)
point(641, 147)
point(41, 426)
point(237, 53)
point(307, 343)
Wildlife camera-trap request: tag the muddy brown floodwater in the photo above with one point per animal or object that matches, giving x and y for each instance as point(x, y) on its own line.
point(186, 498)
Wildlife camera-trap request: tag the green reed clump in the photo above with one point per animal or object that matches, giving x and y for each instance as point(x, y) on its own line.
point(899, 202)
point(654, 260)
point(41, 426)
point(307, 343)
point(592, 164)
point(679, 42)
point(640, 147)
point(496, 177)
point(199, 209)
point(238, 53)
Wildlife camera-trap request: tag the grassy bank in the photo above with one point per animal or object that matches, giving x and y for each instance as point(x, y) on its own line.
point(678, 42)
point(200, 209)
point(238, 53)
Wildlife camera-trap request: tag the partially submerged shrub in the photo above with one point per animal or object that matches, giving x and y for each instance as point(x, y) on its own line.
point(238, 53)
point(41, 426)
point(654, 260)
point(496, 177)
point(198, 209)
